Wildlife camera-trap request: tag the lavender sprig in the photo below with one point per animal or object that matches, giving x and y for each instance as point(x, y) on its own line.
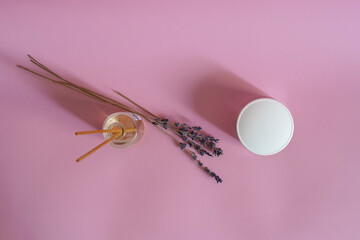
point(186, 132)
point(201, 165)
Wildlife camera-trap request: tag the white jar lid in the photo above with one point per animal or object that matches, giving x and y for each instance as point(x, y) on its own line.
point(265, 126)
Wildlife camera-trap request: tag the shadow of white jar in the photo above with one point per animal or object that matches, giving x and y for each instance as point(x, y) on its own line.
point(265, 126)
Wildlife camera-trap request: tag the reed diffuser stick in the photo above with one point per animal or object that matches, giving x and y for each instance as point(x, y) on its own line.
point(99, 131)
point(99, 146)
point(105, 131)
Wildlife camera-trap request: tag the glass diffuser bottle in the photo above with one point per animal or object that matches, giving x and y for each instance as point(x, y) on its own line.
point(130, 124)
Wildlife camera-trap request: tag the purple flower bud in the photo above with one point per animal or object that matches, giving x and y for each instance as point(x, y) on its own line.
point(183, 129)
point(192, 135)
point(218, 179)
point(218, 151)
point(207, 153)
point(182, 145)
point(197, 147)
point(202, 141)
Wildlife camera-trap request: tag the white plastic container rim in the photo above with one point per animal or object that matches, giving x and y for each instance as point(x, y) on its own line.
point(268, 129)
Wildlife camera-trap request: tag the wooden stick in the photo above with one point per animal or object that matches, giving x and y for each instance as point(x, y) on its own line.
point(105, 131)
point(98, 146)
point(99, 131)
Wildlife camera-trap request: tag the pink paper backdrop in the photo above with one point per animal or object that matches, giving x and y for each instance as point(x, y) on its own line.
point(198, 62)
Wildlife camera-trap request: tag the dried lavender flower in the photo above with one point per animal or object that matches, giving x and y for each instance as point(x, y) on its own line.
point(218, 151)
point(192, 135)
point(184, 129)
point(162, 120)
point(209, 154)
point(182, 146)
point(197, 147)
point(211, 173)
point(202, 141)
point(182, 133)
point(211, 145)
point(218, 179)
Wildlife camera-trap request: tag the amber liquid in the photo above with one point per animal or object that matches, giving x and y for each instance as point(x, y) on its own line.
point(131, 129)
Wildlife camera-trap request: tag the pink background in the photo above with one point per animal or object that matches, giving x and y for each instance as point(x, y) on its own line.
point(194, 61)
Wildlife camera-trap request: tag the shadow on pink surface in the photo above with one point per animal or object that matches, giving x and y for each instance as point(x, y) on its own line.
point(220, 96)
point(87, 109)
